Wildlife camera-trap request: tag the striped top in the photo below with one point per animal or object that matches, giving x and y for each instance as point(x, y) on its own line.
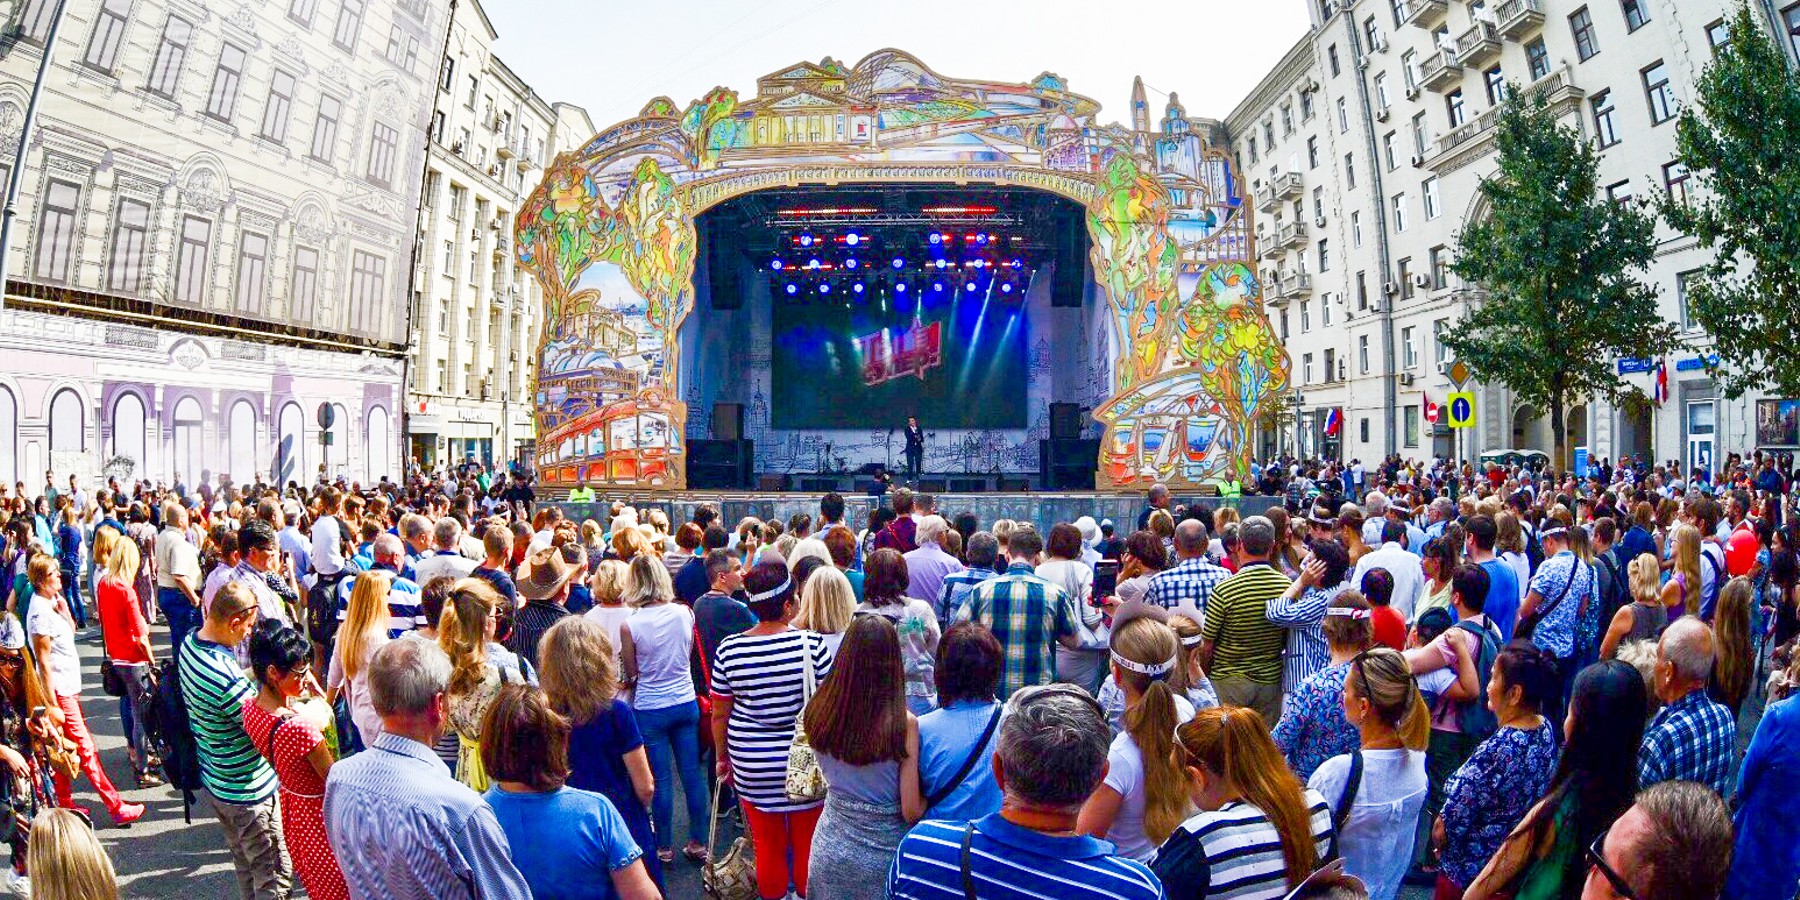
point(762, 674)
point(215, 690)
point(1234, 853)
point(1008, 862)
point(404, 613)
point(1246, 644)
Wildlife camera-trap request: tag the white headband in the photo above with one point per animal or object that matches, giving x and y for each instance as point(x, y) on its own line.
point(1553, 532)
point(1347, 611)
point(1154, 670)
point(774, 592)
point(1191, 640)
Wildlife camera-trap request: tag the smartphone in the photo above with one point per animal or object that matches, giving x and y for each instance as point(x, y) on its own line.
point(1106, 580)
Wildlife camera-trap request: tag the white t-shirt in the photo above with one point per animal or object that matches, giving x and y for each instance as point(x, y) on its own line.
point(1377, 841)
point(44, 620)
point(663, 636)
point(356, 689)
point(327, 546)
point(1125, 774)
point(175, 555)
point(441, 563)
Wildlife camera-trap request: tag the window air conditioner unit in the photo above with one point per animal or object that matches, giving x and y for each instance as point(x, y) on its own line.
point(1444, 366)
point(498, 223)
point(457, 148)
point(1421, 280)
point(1342, 368)
point(1406, 379)
point(1389, 288)
point(1379, 44)
point(1318, 221)
point(1381, 115)
point(1417, 161)
point(1412, 93)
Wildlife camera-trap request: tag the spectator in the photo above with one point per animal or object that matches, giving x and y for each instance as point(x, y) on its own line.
point(290, 736)
point(687, 545)
point(1190, 584)
point(759, 687)
point(609, 609)
point(66, 859)
point(1144, 558)
point(956, 740)
point(1674, 843)
point(868, 750)
point(1564, 585)
point(127, 643)
point(403, 612)
point(1242, 648)
point(1086, 664)
point(567, 841)
point(466, 632)
point(928, 564)
point(1052, 755)
point(693, 580)
point(401, 825)
point(1377, 586)
point(1313, 727)
point(1258, 832)
point(982, 553)
point(546, 589)
point(841, 543)
point(914, 619)
point(1766, 860)
point(655, 644)
point(1645, 617)
point(580, 597)
point(446, 556)
point(364, 630)
point(1439, 562)
point(900, 535)
point(497, 543)
point(1401, 564)
point(1144, 795)
point(1301, 610)
point(1692, 737)
point(827, 604)
point(1734, 657)
point(1027, 614)
point(1502, 604)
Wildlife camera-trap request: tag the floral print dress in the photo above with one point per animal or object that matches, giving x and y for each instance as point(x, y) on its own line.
point(1488, 797)
point(1312, 727)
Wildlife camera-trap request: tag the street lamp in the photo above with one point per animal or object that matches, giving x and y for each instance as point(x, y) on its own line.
point(11, 210)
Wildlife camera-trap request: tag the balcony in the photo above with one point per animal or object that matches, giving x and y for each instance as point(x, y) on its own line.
point(1265, 247)
point(1520, 19)
point(1440, 72)
point(1478, 46)
point(1475, 137)
point(1293, 284)
point(1288, 185)
point(1427, 14)
point(1265, 198)
point(1291, 234)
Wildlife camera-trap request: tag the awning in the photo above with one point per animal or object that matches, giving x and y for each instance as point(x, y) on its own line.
point(422, 424)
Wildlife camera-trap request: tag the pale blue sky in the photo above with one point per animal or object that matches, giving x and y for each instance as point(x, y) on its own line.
point(611, 56)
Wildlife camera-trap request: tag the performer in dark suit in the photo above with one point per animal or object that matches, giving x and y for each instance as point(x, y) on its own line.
point(915, 448)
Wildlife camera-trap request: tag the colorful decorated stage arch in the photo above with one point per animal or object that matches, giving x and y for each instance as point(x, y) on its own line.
point(610, 234)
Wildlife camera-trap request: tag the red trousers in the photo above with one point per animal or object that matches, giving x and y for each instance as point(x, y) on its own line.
point(777, 836)
point(75, 729)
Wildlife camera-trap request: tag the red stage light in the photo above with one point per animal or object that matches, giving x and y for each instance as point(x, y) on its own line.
point(829, 211)
point(960, 210)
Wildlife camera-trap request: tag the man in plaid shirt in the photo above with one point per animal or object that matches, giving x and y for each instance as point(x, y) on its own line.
point(1027, 613)
point(981, 554)
point(1191, 582)
point(1692, 738)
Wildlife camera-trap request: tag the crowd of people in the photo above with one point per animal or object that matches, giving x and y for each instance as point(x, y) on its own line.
point(1485, 682)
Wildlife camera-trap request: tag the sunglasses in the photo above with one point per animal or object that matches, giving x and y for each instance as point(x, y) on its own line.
point(1596, 860)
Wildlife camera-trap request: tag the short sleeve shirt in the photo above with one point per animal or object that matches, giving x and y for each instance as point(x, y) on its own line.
point(215, 690)
point(567, 843)
point(43, 620)
point(1245, 643)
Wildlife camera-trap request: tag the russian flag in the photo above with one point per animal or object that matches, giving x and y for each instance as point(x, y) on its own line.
point(1661, 385)
point(1334, 422)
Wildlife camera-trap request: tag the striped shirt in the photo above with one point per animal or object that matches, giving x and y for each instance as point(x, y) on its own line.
point(215, 690)
point(404, 613)
point(1234, 853)
point(1245, 643)
point(763, 677)
point(1027, 614)
point(1008, 862)
point(1304, 619)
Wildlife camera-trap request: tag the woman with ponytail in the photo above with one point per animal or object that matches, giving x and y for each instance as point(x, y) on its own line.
point(1376, 792)
point(1145, 794)
point(1259, 831)
point(465, 632)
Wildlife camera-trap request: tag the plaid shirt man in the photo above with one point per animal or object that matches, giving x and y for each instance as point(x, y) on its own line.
point(1027, 614)
point(957, 586)
point(1691, 739)
point(1190, 583)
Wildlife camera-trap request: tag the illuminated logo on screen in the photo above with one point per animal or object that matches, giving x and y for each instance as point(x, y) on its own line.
point(889, 355)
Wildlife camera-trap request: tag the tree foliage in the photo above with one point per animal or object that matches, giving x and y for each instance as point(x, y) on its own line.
point(1740, 140)
point(1558, 264)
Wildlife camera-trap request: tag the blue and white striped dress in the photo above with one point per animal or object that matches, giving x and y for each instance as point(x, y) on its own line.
point(763, 676)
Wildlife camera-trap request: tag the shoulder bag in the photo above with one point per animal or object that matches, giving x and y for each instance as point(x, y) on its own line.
point(949, 787)
point(1529, 624)
point(1346, 800)
point(731, 875)
point(805, 780)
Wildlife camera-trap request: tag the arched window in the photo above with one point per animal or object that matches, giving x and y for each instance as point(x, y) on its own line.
point(290, 446)
point(129, 433)
point(189, 441)
point(67, 428)
point(379, 451)
point(338, 453)
point(9, 437)
point(242, 442)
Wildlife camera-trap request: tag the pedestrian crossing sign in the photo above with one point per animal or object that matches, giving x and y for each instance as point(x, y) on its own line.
point(1461, 409)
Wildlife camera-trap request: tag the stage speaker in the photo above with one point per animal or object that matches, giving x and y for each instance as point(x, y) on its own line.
point(1010, 485)
point(1071, 263)
point(719, 465)
point(1068, 465)
point(932, 486)
point(728, 422)
point(772, 483)
point(974, 484)
point(819, 484)
point(724, 267)
point(1065, 421)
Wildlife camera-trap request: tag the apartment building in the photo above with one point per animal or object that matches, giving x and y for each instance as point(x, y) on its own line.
point(208, 270)
point(1364, 149)
point(477, 314)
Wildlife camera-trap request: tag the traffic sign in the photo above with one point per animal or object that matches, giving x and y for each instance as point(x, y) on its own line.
point(1461, 410)
point(1459, 372)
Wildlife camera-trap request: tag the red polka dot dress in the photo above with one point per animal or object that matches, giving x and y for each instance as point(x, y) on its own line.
point(302, 798)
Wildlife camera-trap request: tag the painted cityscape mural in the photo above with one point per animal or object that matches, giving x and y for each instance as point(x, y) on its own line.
point(610, 235)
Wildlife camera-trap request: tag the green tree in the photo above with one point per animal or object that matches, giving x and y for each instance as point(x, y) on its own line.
point(1740, 139)
point(1557, 264)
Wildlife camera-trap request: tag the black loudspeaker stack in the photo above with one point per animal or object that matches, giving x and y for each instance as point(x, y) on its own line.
point(1068, 465)
point(720, 465)
point(1065, 421)
point(728, 421)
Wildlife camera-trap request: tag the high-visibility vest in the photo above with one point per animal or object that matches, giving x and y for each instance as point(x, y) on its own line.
point(1231, 488)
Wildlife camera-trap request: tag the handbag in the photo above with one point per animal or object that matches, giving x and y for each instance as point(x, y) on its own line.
point(805, 780)
point(703, 697)
point(731, 875)
point(1529, 624)
point(112, 681)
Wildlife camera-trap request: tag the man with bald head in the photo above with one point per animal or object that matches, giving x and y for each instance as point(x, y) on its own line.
point(1189, 584)
point(1692, 737)
point(1159, 499)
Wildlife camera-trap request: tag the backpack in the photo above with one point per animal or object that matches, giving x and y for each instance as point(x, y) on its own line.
point(1534, 549)
point(1709, 602)
point(1473, 716)
point(171, 732)
point(322, 610)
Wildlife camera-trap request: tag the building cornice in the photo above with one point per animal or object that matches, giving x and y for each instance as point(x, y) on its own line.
point(1280, 80)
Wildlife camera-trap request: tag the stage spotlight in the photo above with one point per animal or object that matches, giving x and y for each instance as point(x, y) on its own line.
point(812, 263)
point(981, 239)
point(970, 286)
point(857, 287)
point(1006, 288)
point(899, 263)
point(850, 263)
point(937, 286)
point(937, 238)
point(852, 238)
point(806, 240)
point(942, 263)
point(977, 263)
point(776, 265)
point(824, 287)
point(900, 288)
point(1017, 263)
point(792, 289)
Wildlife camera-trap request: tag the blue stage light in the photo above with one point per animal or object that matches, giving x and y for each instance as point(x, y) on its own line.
point(937, 238)
point(899, 263)
point(825, 288)
point(793, 289)
point(942, 263)
point(900, 288)
point(937, 286)
point(977, 263)
point(857, 287)
point(850, 263)
point(1017, 263)
point(852, 238)
point(970, 286)
point(776, 265)
point(806, 240)
point(981, 239)
point(1006, 288)
point(812, 263)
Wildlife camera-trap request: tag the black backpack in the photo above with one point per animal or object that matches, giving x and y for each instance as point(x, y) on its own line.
point(1473, 716)
point(170, 731)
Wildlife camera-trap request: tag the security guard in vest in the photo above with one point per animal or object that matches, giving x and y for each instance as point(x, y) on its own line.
point(1231, 487)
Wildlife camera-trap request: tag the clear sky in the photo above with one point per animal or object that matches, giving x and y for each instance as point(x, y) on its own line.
point(612, 56)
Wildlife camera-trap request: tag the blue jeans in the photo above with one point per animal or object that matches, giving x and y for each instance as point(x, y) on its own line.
point(675, 728)
point(72, 593)
point(184, 617)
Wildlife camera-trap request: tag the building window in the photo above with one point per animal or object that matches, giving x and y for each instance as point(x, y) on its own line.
point(349, 22)
point(1790, 19)
point(384, 142)
point(1330, 374)
point(303, 299)
point(1419, 135)
point(1636, 14)
point(1619, 192)
point(1496, 86)
point(1410, 416)
point(1454, 109)
point(109, 32)
point(1269, 135)
point(1252, 146)
point(1581, 23)
point(1306, 106)
point(301, 11)
point(171, 53)
point(1325, 311)
point(68, 421)
point(1681, 297)
point(1332, 58)
point(1659, 93)
point(190, 260)
point(1400, 212)
point(368, 290)
point(1440, 268)
point(325, 125)
point(1312, 152)
point(1409, 69)
point(279, 108)
point(1717, 34)
point(403, 49)
point(56, 232)
point(443, 317)
point(1382, 100)
point(1305, 316)
point(1356, 228)
point(1537, 60)
point(1343, 116)
point(252, 272)
point(125, 270)
point(1324, 257)
point(1284, 325)
point(128, 430)
point(474, 91)
point(1433, 206)
point(1404, 268)
point(1409, 347)
point(1350, 171)
point(1362, 354)
point(34, 21)
point(1606, 130)
point(1306, 368)
point(1363, 429)
point(226, 79)
point(1318, 203)
point(1675, 181)
point(1440, 350)
point(1388, 142)
point(1372, 32)
point(1287, 119)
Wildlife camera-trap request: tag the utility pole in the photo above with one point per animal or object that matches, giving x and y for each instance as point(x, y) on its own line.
point(11, 210)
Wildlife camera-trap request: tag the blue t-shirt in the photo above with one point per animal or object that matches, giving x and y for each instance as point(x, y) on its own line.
point(1502, 604)
point(567, 843)
point(946, 736)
